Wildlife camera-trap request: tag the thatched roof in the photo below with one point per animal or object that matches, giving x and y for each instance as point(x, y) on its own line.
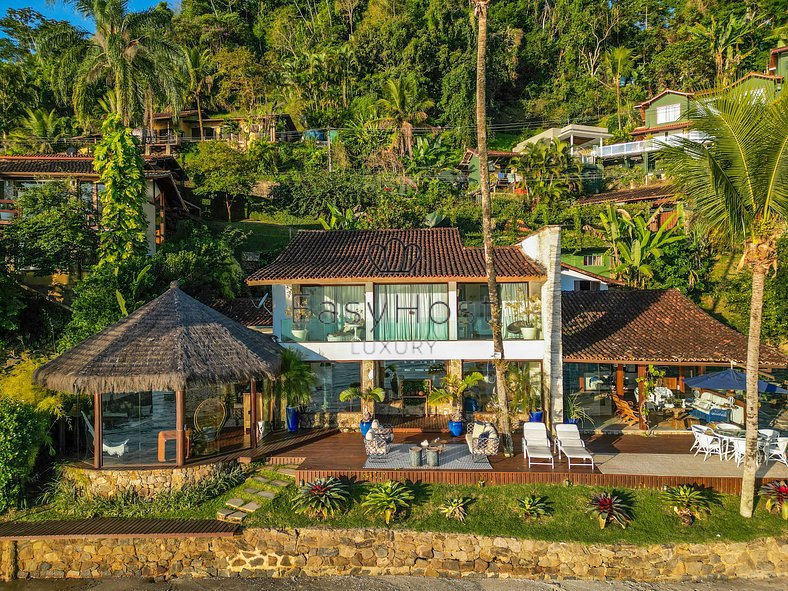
point(171, 343)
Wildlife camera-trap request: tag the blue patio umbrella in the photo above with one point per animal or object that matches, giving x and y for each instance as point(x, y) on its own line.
point(730, 379)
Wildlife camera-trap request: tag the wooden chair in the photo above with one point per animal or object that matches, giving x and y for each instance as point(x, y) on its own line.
point(625, 411)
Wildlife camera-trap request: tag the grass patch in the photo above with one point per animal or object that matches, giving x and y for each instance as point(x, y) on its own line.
point(492, 511)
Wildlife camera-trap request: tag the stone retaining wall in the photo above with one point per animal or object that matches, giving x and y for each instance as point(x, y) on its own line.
point(109, 482)
point(313, 551)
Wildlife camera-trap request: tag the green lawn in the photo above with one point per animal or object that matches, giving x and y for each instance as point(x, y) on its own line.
point(491, 513)
point(265, 236)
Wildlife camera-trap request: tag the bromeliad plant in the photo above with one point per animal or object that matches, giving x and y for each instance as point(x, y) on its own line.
point(776, 495)
point(321, 498)
point(387, 499)
point(455, 508)
point(689, 502)
point(533, 507)
point(451, 391)
point(610, 508)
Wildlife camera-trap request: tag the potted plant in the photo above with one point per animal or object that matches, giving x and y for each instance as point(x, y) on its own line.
point(294, 385)
point(574, 413)
point(525, 389)
point(368, 397)
point(451, 391)
point(533, 318)
point(300, 317)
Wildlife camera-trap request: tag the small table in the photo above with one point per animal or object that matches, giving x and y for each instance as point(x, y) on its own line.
point(165, 436)
point(679, 417)
point(415, 456)
point(434, 456)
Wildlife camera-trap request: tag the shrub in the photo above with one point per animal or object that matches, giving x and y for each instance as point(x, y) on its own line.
point(322, 498)
point(689, 502)
point(23, 431)
point(610, 508)
point(387, 499)
point(533, 507)
point(776, 495)
point(455, 508)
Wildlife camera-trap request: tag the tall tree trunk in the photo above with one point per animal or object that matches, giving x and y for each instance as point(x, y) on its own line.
point(199, 115)
point(228, 205)
point(618, 99)
point(484, 178)
point(751, 408)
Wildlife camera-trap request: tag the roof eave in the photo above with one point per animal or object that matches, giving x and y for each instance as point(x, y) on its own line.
point(389, 280)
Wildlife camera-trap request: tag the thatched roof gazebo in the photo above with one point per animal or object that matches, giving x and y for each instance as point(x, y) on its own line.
point(173, 343)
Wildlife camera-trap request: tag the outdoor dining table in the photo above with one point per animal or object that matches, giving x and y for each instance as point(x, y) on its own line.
point(728, 433)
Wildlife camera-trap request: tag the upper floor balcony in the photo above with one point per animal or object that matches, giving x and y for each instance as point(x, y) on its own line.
point(407, 312)
point(643, 146)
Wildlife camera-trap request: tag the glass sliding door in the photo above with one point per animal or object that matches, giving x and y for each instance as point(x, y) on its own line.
point(411, 312)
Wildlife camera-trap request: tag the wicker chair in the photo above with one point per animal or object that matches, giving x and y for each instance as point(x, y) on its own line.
point(482, 441)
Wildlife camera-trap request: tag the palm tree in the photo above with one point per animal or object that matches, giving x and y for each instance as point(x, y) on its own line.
point(295, 380)
point(725, 40)
point(619, 62)
point(130, 54)
point(403, 105)
point(480, 10)
point(201, 69)
point(39, 130)
point(738, 186)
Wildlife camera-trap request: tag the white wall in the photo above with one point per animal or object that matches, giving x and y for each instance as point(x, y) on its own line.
point(568, 278)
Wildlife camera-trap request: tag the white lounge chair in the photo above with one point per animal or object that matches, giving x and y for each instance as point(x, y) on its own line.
point(108, 448)
point(536, 446)
point(578, 454)
point(567, 435)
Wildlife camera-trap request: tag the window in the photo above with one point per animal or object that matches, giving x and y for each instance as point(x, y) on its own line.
point(593, 260)
point(332, 379)
point(583, 285)
point(411, 312)
point(668, 113)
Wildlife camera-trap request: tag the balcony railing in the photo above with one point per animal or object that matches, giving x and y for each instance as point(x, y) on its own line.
point(643, 146)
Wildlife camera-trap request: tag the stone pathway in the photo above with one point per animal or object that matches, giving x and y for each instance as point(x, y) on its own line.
point(257, 490)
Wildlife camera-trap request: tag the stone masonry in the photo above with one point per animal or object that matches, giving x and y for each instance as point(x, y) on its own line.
point(316, 552)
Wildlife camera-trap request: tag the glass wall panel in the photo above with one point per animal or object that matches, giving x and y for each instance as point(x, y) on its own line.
point(484, 391)
point(332, 379)
point(518, 312)
point(134, 425)
point(410, 382)
point(411, 312)
point(216, 420)
point(324, 313)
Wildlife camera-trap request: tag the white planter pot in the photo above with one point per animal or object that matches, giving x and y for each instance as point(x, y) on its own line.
point(299, 334)
point(530, 333)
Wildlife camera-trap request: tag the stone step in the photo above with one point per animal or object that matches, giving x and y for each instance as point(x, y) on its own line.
point(230, 515)
point(261, 479)
point(235, 503)
point(266, 494)
point(250, 507)
point(278, 483)
point(251, 491)
point(287, 472)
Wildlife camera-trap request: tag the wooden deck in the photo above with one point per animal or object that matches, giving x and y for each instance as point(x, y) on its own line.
point(106, 527)
point(342, 454)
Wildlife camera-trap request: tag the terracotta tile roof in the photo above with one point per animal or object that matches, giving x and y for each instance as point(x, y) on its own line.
point(435, 253)
point(246, 311)
point(659, 191)
point(81, 166)
point(657, 128)
point(661, 326)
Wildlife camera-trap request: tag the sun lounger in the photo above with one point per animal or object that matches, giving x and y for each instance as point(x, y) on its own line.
point(536, 445)
point(578, 454)
point(567, 435)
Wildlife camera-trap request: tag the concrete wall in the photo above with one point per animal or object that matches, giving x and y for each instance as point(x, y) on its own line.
point(323, 552)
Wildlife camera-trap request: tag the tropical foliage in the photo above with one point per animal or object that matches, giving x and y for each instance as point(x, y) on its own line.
point(23, 431)
point(688, 501)
point(610, 508)
point(295, 380)
point(387, 499)
point(776, 495)
point(455, 508)
point(322, 498)
point(533, 507)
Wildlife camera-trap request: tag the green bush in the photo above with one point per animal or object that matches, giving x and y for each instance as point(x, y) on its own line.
point(387, 499)
point(322, 498)
point(23, 431)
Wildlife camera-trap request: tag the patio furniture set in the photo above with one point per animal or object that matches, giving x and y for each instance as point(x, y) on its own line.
point(726, 441)
point(538, 448)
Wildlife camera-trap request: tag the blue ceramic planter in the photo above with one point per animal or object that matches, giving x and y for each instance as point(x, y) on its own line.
point(291, 413)
point(455, 428)
point(571, 421)
point(364, 426)
point(536, 416)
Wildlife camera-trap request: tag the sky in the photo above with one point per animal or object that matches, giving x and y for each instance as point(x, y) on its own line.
point(60, 11)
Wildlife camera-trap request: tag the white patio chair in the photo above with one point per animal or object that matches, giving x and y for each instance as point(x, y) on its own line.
point(738, 445)
point(709, 444)
point(778, 450)
point(697, 430)
point(567, 435)
point(536, 446)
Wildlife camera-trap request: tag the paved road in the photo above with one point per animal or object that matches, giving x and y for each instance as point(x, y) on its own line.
point(381, 584)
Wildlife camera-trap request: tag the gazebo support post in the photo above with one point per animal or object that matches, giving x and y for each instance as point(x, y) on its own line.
point(620, 380)
point(98, 432)
point(253, 415)
point(180, 442)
